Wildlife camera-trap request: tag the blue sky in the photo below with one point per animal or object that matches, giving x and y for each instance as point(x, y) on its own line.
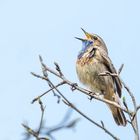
point(32, 27)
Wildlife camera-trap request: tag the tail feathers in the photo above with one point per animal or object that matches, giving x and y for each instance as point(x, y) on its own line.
point(118, 116)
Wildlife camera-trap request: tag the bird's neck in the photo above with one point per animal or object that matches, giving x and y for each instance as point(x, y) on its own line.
point(84, 51)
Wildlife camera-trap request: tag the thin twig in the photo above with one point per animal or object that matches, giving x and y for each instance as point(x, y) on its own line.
point(89, 119)
point(134, 121)
point(37, 98)
point(138, 107)
point(64, 124)
point(42, 115)
point(120, 69)
point(89, 93)
point(130, 117)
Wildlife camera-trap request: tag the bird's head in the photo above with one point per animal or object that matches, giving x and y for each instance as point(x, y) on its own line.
point(91, 40)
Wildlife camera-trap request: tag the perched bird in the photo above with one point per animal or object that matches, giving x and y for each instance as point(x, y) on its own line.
point(91, 61)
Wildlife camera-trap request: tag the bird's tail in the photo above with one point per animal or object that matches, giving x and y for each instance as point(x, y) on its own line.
point(118, 115)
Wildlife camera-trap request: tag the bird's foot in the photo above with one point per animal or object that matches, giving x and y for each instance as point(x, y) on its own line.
point(73, 86)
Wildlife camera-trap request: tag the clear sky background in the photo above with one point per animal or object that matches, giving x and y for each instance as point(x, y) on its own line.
point(32, 27)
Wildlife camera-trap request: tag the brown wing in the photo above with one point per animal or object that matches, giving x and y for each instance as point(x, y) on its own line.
point(111, 68)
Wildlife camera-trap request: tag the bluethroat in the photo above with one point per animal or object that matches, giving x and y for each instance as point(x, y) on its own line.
point(92, 60)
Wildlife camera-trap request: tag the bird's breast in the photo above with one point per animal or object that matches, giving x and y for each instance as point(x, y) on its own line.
point(88, 70)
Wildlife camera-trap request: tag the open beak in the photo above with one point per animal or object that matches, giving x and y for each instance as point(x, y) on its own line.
point(88, 35)
point(81, 39)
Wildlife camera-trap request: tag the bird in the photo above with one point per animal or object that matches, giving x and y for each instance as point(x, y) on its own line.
point(92, 60)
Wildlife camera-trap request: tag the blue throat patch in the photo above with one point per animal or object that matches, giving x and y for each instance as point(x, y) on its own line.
point(85, 46)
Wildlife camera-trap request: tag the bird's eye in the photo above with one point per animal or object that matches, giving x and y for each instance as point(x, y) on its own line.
point(95, 37)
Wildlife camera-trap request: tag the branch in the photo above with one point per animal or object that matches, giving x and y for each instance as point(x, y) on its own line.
point(138, 107)
point(89, 119)
point(66, 101)
point(74, 86)
point(134, 119)
point(48, 132)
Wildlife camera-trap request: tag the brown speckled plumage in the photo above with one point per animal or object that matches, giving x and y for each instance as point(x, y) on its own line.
point(93, 61)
